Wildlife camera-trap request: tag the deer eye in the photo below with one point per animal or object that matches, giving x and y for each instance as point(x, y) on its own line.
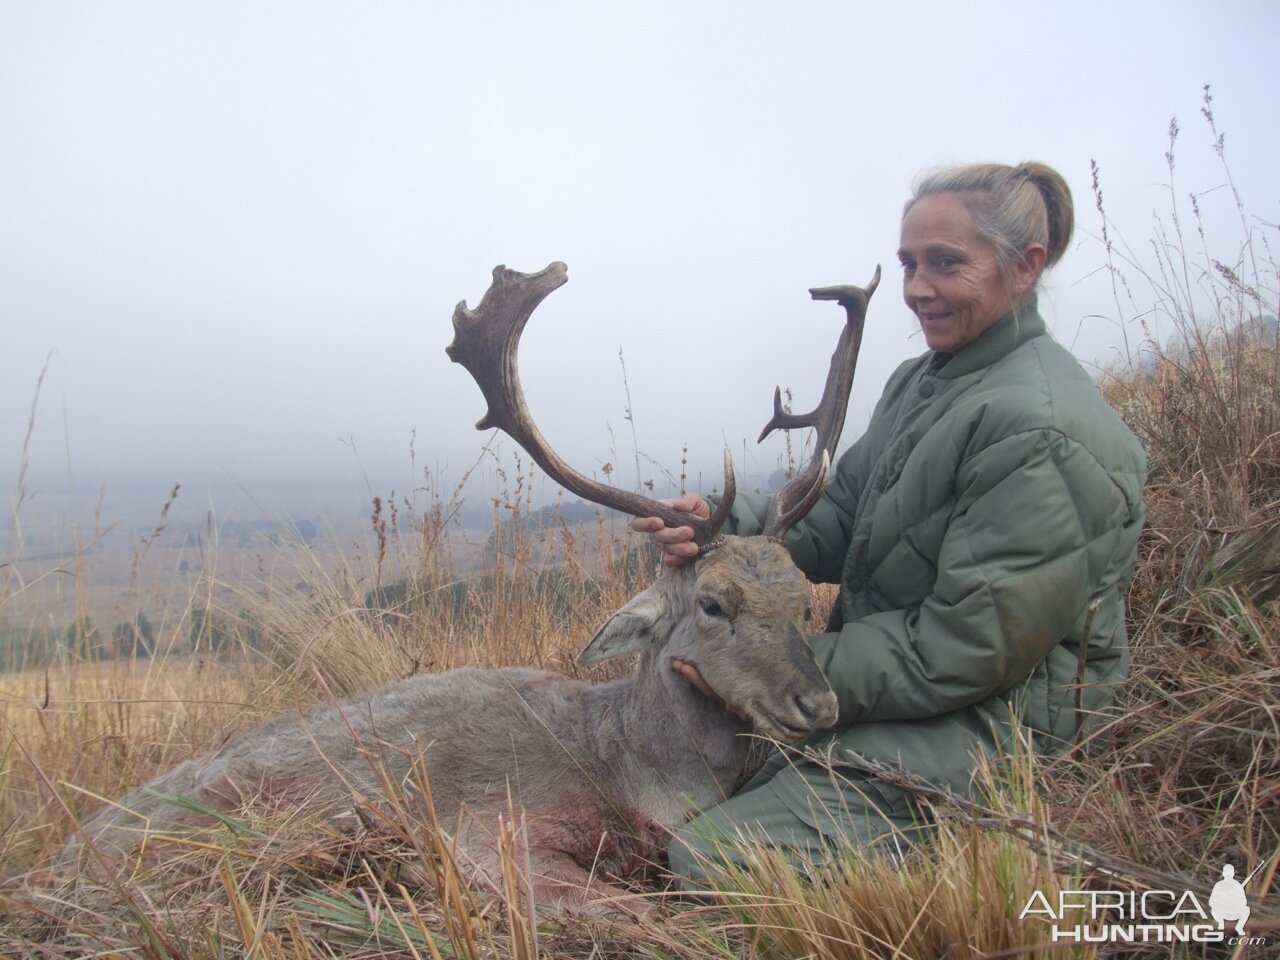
point(808, 614)
point(711, 607)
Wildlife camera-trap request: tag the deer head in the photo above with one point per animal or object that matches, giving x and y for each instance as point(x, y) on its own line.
point(738, 613)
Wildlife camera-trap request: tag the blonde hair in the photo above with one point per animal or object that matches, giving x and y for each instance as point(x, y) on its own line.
point(1013, 207)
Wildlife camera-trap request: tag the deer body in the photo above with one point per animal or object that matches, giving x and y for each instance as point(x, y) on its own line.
point(562, 750)
point(603, 773)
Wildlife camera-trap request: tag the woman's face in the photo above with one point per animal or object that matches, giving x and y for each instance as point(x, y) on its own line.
point(951, 276)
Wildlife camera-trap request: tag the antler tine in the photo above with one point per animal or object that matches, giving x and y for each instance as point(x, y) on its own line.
point(798, 496)
point(485, 341)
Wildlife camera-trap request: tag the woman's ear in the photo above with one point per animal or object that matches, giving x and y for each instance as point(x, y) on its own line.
point(1028, 269)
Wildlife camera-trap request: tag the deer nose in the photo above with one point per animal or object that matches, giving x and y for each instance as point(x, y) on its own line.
point(811, 708)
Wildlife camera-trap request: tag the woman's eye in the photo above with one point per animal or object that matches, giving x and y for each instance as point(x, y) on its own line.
point(948, 263)
point(711, 607)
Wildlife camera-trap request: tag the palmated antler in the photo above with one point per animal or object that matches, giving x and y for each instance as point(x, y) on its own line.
point(485, 342)
point(799, 494)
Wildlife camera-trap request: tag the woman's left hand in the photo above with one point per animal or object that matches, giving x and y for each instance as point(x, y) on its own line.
point(690, 673)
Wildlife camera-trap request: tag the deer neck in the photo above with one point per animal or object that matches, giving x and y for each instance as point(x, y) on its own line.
point(698, 744)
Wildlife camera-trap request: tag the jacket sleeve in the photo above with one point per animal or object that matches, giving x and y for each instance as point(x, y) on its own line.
point(1035, 523)
point(819, 543)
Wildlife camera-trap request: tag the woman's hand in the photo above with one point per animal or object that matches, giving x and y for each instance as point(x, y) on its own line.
point(690, 673)
point(676, 543)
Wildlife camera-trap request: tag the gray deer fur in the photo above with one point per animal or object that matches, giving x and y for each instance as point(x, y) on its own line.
point(604, 772)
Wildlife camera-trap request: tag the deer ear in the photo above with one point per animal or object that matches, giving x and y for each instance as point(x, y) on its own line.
point(630, 629)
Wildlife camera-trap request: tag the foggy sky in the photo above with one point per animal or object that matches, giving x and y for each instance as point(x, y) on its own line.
point(242, 228)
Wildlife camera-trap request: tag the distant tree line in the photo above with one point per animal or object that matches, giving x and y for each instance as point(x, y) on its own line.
point(551, 588)
point(26, 648)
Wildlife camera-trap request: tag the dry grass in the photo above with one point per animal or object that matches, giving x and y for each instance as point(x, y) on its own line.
point(1187, 779)
point(961, 895)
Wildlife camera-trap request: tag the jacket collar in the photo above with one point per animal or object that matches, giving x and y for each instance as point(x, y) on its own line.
point(996, 342)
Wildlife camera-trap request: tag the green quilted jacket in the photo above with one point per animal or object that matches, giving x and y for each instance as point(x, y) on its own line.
point(994, 498)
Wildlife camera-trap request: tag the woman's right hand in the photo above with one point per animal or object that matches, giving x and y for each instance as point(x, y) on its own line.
point(676, 543)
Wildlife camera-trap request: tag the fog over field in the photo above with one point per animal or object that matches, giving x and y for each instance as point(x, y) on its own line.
point(236, 233)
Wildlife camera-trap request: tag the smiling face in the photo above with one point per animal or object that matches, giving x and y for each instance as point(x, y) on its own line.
point(951, 277)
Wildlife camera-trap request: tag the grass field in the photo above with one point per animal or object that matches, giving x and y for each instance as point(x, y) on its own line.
point(1187, 779)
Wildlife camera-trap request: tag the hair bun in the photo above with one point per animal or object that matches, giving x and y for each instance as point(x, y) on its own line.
point(1059, 207)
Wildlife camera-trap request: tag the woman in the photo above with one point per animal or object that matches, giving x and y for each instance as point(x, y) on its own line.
point(982, 529)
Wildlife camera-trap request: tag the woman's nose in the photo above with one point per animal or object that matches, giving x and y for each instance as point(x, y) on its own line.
point(916, 287)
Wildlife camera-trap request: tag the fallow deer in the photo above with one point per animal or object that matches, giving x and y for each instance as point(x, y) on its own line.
point(602, 772)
